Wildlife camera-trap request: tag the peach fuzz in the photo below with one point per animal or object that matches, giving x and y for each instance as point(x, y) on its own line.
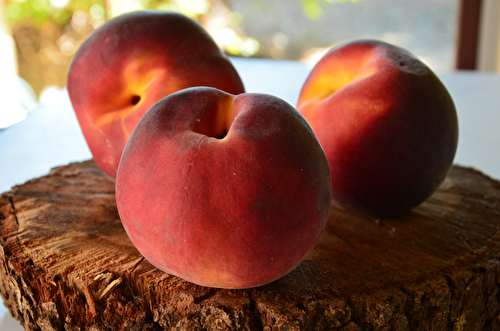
point(222, 190)
point(387, 124)
point(131, 62)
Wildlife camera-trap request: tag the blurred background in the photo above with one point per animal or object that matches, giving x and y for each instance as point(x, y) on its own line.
point(38, 38)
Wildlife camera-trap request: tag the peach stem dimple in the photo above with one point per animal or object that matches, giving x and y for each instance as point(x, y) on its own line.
point(135, 100)
point(221, 135)
point(217, 120)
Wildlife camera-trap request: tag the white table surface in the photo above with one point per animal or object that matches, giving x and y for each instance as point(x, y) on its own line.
point(50, 136)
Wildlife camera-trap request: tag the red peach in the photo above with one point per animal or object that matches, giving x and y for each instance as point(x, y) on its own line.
point(387, 124)
point(131, 62)
point(223, 190)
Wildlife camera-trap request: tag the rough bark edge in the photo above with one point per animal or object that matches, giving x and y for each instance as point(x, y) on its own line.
point(466, 299)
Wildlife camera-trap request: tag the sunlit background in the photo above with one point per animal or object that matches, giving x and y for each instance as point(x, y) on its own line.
point(38, 38)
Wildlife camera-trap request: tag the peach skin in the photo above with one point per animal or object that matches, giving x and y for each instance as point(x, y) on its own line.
point(229, 191)
point(387, 124)
point(131, 62)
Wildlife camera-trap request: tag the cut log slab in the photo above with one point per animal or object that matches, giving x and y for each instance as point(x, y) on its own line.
point(67, 264)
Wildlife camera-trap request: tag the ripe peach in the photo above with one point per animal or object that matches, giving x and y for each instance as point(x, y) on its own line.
point(386, 122)
point(132, 61)
point(223, 190)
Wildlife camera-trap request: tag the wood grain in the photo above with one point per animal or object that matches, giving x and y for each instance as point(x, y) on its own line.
point(67, 264)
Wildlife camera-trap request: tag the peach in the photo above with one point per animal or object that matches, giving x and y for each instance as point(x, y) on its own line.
point(387, 124)
point(222, 190)
point(131, 62)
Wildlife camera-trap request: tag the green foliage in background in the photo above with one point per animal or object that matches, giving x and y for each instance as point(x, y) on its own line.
point(39, 12)
point(313, 10)
point(61, 11)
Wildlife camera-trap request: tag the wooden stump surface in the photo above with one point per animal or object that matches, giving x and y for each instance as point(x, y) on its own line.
point(66, 263)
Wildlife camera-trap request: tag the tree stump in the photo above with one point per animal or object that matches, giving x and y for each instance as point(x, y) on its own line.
point(67, 264)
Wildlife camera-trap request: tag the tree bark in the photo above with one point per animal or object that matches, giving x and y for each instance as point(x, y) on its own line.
point(66, 263)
